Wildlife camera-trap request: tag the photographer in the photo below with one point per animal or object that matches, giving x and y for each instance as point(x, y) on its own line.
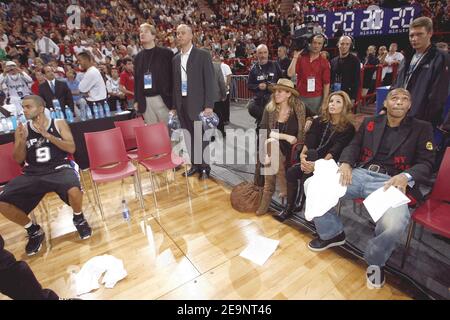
point(261, 75)
point(313, 73)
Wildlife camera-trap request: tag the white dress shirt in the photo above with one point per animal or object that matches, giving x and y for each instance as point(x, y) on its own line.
point(183, 66)
point(93, 84)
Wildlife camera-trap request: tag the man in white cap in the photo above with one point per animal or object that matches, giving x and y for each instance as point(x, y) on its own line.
point(16, 83)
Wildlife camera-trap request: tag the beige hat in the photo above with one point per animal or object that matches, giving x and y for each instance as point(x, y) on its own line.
point(10, 64)
point(284, 84)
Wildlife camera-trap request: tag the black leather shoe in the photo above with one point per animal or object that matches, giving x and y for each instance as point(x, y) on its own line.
point(320, 245)
point(193, 170)
point(204, 174)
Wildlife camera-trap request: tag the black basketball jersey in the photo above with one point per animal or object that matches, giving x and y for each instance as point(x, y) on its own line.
point(42, 155)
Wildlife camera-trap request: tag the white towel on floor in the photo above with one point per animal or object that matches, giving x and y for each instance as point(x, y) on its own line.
point(92, 270)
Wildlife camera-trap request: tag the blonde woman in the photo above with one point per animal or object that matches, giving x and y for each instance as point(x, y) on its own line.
point(284, 119)
point(329, 134)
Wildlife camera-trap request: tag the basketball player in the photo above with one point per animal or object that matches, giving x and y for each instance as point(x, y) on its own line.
point(44, 145)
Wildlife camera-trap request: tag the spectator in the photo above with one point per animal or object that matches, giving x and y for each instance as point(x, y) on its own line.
point(127, 81)
point(153, 74)
point(193, 93)
point(113, 88)
point(425, 74)
point(391, 150)
point(53, 89)
point(345, 69)
point(283, 61)
point(16, 83)
point(369, 72)
point(329, 134)
point(313, 75)
point(263, 73)
point(45, 47)
point(92, 84)
point(392, 58)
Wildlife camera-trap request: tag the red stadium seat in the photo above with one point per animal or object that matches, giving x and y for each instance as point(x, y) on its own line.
point(128, 134)
point(434, 213)
point(155, 151)
point(108, 161)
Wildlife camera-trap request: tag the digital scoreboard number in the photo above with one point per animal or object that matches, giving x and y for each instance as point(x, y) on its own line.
point(371, 21)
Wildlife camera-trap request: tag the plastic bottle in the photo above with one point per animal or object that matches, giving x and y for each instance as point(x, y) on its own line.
point(88, 112)
point(125, 211)
point(101, 112)
point(23, 119)
point(69, 114)
point(118, 107)
point(107, 109)
point(52, 113)
point(96, 114)
point(4, 124)
point(57, 108)
point(83, 112)
point(14, 122)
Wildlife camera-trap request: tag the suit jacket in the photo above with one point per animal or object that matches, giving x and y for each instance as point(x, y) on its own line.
point(413, 152)
point(221, 89)
point(62, 93)
point(200, 86)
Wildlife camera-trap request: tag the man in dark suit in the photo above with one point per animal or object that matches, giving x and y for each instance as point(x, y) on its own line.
point(193, 92)
point(55, 89)
point(389, 150)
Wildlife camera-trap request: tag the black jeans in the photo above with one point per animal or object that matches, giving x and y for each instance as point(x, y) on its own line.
point(17, 280)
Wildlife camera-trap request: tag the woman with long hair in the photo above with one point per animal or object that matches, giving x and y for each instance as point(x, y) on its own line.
point(329, 134)
point(284, 119)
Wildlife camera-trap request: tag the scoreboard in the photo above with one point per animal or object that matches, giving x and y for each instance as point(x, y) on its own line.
point(368, 22)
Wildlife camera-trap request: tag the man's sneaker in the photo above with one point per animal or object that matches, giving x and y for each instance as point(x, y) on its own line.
point(320, 245)
point(35, 242)
point(375, 277)
point(83, 229)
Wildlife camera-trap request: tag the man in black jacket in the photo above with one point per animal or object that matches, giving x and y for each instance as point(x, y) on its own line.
point(263, 73)
point(425, 74)
point(389, 150)
point(55, 89)
point(18, 281)
point(345, 69)
point(153, 78)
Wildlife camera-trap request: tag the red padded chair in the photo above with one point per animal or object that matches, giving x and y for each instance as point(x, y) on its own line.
point(434, 213)
point(9, 169)
point(155, 151)
point(129, 137)
point(108, 161)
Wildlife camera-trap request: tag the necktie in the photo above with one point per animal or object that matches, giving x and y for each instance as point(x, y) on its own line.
point(52, 86)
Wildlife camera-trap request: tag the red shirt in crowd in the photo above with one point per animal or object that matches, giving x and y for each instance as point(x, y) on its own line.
point(127, 80)
point(319, 69)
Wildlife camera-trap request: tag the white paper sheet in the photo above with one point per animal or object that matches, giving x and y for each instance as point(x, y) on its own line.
point(260, 249)
point(379, 201)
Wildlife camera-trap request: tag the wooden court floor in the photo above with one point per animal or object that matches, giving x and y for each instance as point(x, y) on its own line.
point(188, 249)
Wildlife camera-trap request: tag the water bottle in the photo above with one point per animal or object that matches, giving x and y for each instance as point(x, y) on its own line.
point(14, 122)
point(118, 107)
point(69, 114)
point(10, 124)
point(83, 112)
point(125, 211)
point(107, 109)
point(23, 119)
point(101, 113)
point(57, 108)
point(96, 115)
point(88, 112)
point(52, 113)
point(5, 126)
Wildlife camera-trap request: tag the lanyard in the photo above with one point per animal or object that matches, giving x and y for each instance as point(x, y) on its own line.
point(322, 144)
point(412, 68)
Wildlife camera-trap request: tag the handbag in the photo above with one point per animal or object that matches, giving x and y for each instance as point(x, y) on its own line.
point(246, 196)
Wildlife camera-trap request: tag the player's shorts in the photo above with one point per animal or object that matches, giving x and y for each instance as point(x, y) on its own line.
point(26, 191)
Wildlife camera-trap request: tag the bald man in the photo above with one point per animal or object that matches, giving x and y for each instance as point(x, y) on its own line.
point(263, 72)
point(194, 90)
point(345, 69)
